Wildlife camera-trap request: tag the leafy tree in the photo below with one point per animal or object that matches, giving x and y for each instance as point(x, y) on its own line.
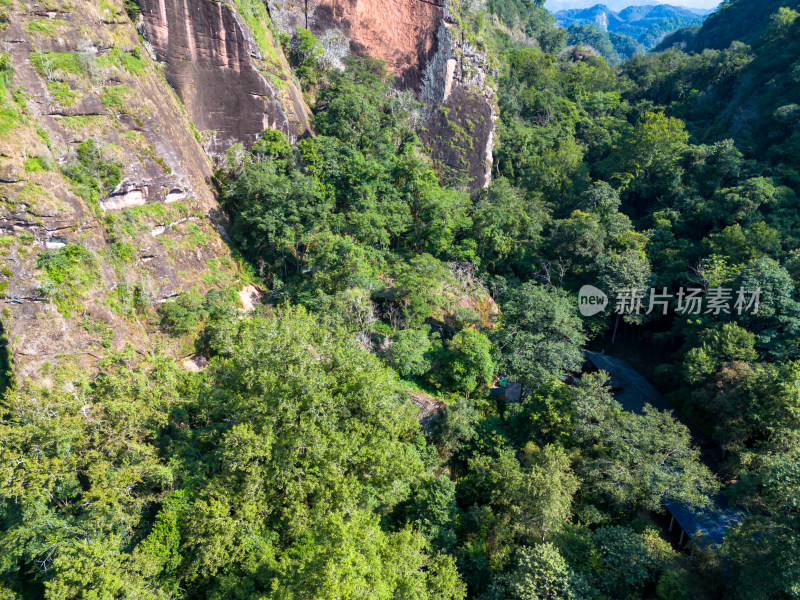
point(507, 227)
point(729, 343)
point(222, 323)
point(540, 573)
point(182, 314)
point(82, 472)
point(647, 161)
point(537, 499)
point(629, 559)
point(456, 428)
point(541, 336)
point(776, 321)
point(408, 351)
point(764, 558)
point(636, 461)
point(274, 212)
point(471, 362)
point(433, 510)
point(354, 558)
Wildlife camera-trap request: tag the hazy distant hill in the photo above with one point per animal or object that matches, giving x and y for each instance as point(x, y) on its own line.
point(700, 7)
point(617, 35)
point(635, 21)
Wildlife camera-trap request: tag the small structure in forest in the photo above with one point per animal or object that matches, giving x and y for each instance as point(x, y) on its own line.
point(634, 392)
point(510, 391)
point(703, 526)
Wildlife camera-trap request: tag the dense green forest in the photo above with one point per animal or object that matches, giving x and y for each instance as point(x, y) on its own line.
point(296, 465)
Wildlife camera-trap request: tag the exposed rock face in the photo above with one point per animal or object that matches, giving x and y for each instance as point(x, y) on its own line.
point(401, 32)
point(212, 60)
point(460, 126)
point(460, 133)
point(426, 52)
point(165, 185)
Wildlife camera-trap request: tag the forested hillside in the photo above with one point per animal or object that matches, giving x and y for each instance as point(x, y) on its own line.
point(618, 35)
point(334, 435)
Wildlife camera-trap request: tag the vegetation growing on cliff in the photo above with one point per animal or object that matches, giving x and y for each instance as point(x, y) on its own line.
point(295, 465)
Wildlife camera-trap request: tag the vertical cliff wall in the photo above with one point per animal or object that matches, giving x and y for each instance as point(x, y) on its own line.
point(85, 265)
point(222, 61)
point(459, 128)
point(428, 54)
point(401, 32)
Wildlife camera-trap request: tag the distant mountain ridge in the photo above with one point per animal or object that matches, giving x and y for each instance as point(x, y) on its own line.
point(617, 35)
point(699, 7)
point(633, 20)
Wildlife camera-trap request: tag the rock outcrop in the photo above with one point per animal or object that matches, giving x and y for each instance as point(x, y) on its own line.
point(463, 109)
point(79, 71)
point(404, 33)
point(428, 54)
point(232, 86)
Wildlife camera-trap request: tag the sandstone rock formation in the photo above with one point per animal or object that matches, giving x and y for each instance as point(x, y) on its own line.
point(404, 33)
point(427, 54)
point(232, 88)
point(79, 71)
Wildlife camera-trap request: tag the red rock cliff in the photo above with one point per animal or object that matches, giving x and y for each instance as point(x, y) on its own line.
point(426, 52)
point(162, 214)
point(230, 89)
point(401, 32)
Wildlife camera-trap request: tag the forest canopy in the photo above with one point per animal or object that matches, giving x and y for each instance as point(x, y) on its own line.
point(342, 441)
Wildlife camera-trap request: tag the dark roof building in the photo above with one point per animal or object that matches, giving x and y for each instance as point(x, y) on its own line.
point(633, 392)
point(704, 526)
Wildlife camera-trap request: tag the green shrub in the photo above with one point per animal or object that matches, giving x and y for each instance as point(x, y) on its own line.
point(272, 144)
point(38, 164)
point(133, 10)
point(129, 61)
point(465, 317)
point(90, 173)
point(183, 314)
point(123, 252)
point(45, 26)
point(222, 325)
point(408, 352)
point(114, 96)
point(304, 53)
point(67, 274)
point(133, 62)
point(9, 115)
point(6, 69)
point(5, 12)
point(62, 92)
point(471, 361)
point(54, 65)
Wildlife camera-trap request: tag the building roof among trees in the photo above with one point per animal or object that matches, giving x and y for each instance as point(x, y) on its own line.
point(709, 525)
point(634, 392)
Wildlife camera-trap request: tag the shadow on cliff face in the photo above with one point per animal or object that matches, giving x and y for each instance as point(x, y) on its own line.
point(458, 134)
point(5, 362)
point(325, 19)
point(412, 74)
